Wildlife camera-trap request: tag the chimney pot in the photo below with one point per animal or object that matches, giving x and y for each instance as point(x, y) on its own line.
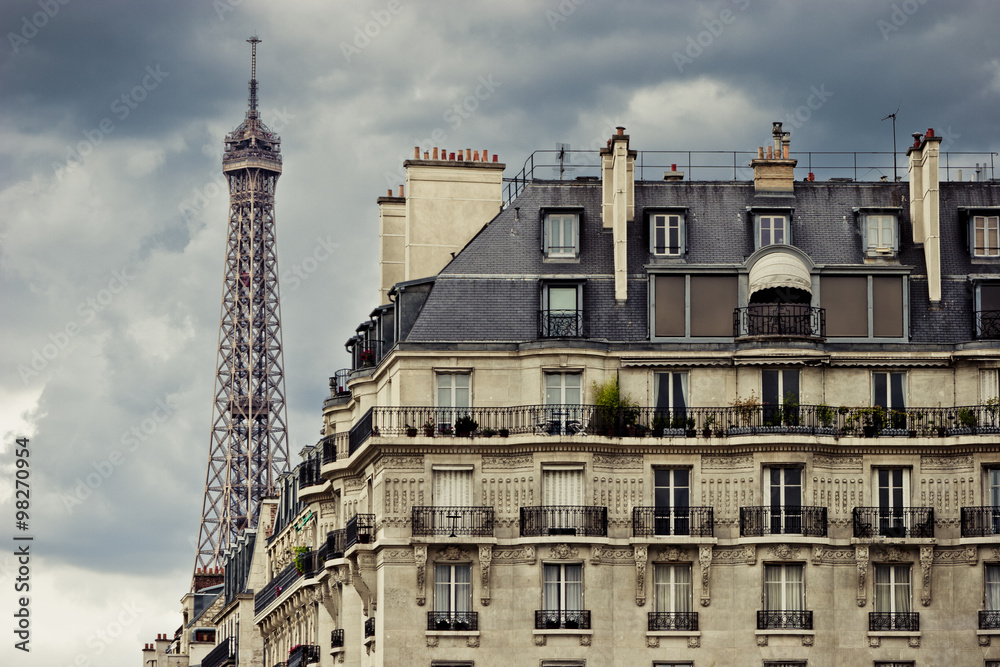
point(468, 153)
point(451, 156)
point(812, 177)
point(760, 152)
point(400, 189)
point(770, 152)
point(495, 158)
point(784, 151)
point(916, 139)
point(930, 132)
point(475, 156)
point(673, 167)
point(416, 152)
point(435, 153)
point(621, 130)
point(388, 193)
point(485, 156)
point(426, 155)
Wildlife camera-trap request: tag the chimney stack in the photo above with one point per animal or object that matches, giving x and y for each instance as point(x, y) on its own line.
point(925, 206)
point(618, 202)
point(775, 174)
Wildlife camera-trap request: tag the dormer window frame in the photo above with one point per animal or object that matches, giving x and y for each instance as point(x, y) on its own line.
point(770, 222)
point(875, 224)
point(672, 218)
point(982, 225)
point(558, 223)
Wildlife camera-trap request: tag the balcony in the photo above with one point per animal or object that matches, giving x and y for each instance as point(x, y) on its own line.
point(224, 654)
point(302, 655)
point(452, 620)
point(337, 638)
point(309, 472)
point(673, 620)
point(989, 619)
point(980, 521)
point(452, 521)
point(338, 383)
point(370, 627)
point(882, 621)
point(987, 324)
point(336, 543)
point(894, 522)
point(779, 320)
point(784, 619)
point(555, 619)
point(578, 520)
point(782, 520)
point(329, 449)
point(665, 521)
point(560, 323)
point(360, 530)
point(274, 588)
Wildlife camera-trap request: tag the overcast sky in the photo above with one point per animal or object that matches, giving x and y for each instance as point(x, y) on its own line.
point(112, 219)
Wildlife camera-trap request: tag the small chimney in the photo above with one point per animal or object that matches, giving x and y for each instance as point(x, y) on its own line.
point(618, 203)
point(775, 174)
point(434, 153)
point(925, 206)
point(673, 174)
point(400, 190)
point(416, 152)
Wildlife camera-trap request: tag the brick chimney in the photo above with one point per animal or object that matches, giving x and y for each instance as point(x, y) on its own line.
point(205, 578)
point(925, 205)
point(773, 171)
point(618, 202)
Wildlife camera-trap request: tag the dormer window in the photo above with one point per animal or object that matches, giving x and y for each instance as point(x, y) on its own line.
point(772, 230)
point(666, 234)
point(985, 232)
point(561, 234)
point(880, 233)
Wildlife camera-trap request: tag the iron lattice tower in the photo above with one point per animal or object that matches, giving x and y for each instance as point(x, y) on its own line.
point(248, 445)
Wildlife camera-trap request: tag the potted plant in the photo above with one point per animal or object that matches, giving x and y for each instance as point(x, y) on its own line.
point(503, 433)
point(706, 432)
point(488, 433)
point(429, 428)
point(659, 424)
point(367, 357)
point(746, 411)
point(824, 414)
point(411, 432)
point(690, 423)
point(615, 411)
point(465, 426)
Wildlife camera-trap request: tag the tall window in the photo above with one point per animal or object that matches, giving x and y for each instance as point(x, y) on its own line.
point(453, 486)
point(784, 590)
point(785, 493)
point(772, 230)
point(671, 497)
point(563, 588)
point(986, 236)
point(889, 392)
point(892, 590)
point(562, 485)
point(453, 393)
point(563, 396)
point(562, 310)
point(779, 391)
point(562, 238)
point(880, 234)
point(670, 396)
point(987, 307)
point(672, 589)
point(667, 234)
point(988, 387)
point(991, 573)
point(892, 489)
point(453, 588)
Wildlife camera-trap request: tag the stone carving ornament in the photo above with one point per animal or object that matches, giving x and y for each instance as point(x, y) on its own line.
point(563, 551)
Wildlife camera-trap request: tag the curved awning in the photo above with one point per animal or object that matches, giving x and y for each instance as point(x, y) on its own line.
point(779, 269)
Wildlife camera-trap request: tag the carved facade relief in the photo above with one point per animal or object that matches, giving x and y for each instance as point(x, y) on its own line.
point(704, 564)
point(640, 574)
point(485, 559)
point(861, 558)
point(420, 556)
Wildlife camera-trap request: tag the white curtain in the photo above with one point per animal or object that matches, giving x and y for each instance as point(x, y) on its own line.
point(902, 585)
point(562, 487)
point(784, 588)
point(993, 587)
point(463, 588)
point(442, 588)
point(453, 488)
point(892, 588)
point(453, 588)
point(563, 588)
point(574, 587)
point(550, 592)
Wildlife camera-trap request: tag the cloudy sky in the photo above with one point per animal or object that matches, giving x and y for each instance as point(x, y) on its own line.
point(112, 219)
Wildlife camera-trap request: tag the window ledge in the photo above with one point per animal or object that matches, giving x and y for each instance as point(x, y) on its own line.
point(988, 633)
point(569, 633)
point(785, 631)
point(893, 633)
point(673, 633)
point(452, 633)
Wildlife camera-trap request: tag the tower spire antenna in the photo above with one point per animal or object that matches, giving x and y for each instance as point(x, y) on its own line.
point(253, 41)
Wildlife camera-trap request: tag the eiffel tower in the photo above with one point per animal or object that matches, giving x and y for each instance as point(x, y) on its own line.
point(248, 447)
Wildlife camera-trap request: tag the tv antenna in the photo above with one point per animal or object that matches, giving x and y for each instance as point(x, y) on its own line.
point(895, 177)
point(563, 158)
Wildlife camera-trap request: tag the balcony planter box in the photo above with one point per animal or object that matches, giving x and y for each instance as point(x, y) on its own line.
point(503, 433)
point(411, 432)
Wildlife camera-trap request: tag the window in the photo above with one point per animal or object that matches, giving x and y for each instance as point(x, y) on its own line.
point(563, 396)
point(865, 306)
point(991, 578)
point(562, 593)
point(892, 490)
point(562, 486)
point(562, 310)
point(672, 593)
point(772, 230)
point(988, 386)
point(880, 234)
point(987, 307)
point(453, 486)
point(784, 591)
point(892, 589)
point(671, 497)
point(985, 236)
point(699, 305)
point(670, 396)
point(889, 392)
point(453, 589)
point(779, 392)
point(561, 235)
point(666, 238)
point(785, 494)
point(453, 391)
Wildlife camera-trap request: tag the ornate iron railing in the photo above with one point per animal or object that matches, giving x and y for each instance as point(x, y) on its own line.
point(653, 521)
point(309, 472)
point(784, 520)
point(452, 520)
point(221, 654)
point(452, 620)
point(337, 638)
point(302, 655)
point(579, 520)
point(329, 449)
point(338, 383)
point(893, 522)
point(361, 431)
point(273, 589)
point(370, 627)
point(556, 619)
point(894, 620)
point(784, 619)
point(560, 323)
point(360, 529)
point(980, 521)
point(336, 543)
point(987, 324)
point(779, 320)
point(673, 620)
point(989, 619)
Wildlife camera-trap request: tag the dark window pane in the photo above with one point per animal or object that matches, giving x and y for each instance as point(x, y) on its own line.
point(845, 299)
point(790, 380)
point(669, 306)
point(880, 395)
point(713, 300)
point(769, 387)
point(896, 389)
point(679, 402)
point(887, 307)
point(989, 297)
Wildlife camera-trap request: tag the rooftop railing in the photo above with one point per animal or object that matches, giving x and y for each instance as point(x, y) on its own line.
point(360, 529)
point(221, 654)
point(303, 654)
point(336, 543)
point(338, 382)
point(560, 323)
point(987, 324)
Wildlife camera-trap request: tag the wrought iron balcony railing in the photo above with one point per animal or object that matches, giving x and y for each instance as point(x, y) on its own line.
point(779, 320)
point(560, 323)
point(661, 521)
point(452, 520)
point(784, 619)
point(579, 520)
point(302, 655)
point(337, 638)
point(336, 543)
point(370, 627)
point(555, 619)
point(894, 620)
point(452, 620)
point(673, 620)
point(980, 521)
point(329, 449)
point(893, 522)
point(987, 325)
point(224, 654)
point(360, 529)
point(989, 619)
point(274, 588)
point(309, 472)
point(783, 520)
point(361, 431)
point(338, 383)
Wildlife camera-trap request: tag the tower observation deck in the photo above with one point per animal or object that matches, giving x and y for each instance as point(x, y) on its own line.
point(248, 447)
